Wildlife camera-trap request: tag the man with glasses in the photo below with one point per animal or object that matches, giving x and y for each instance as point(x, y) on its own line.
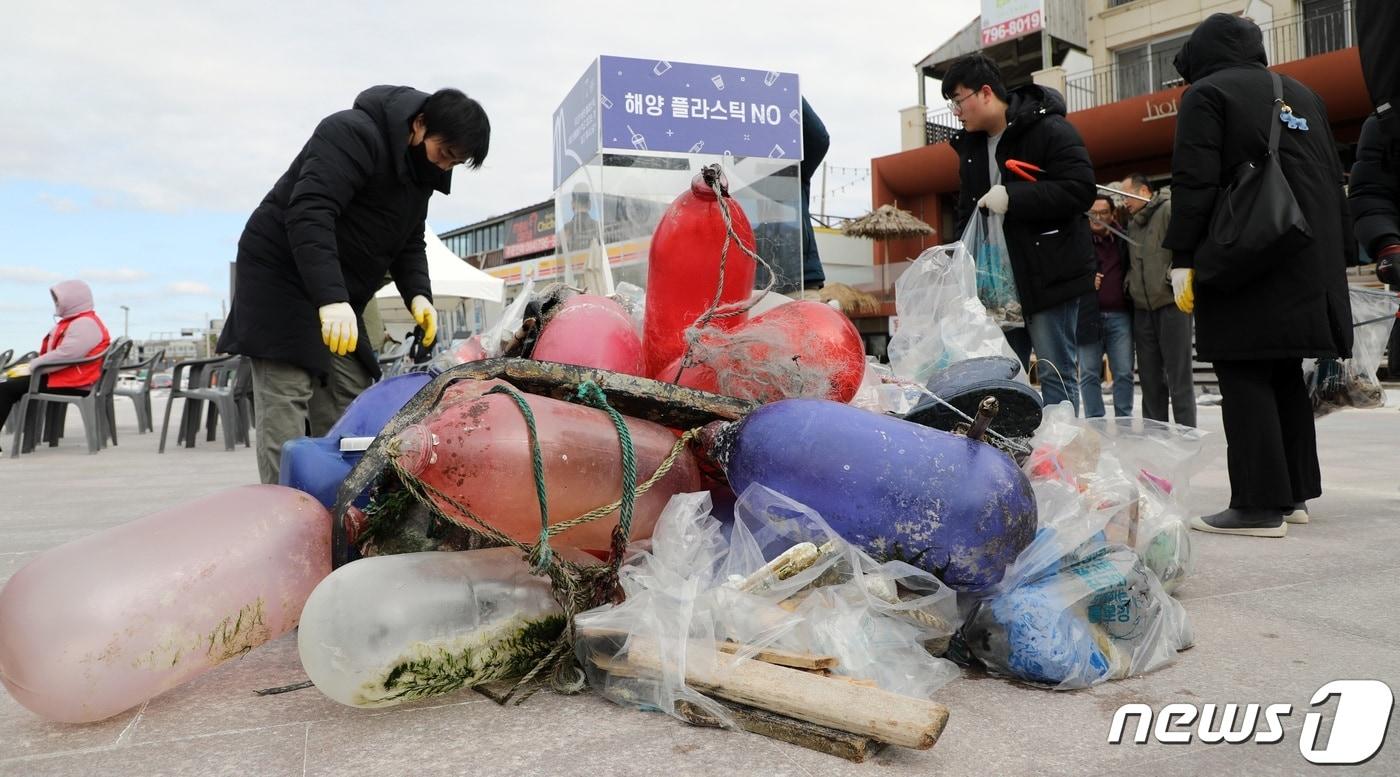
point(1109, 329)
point(349, 209)
point(1021, 160)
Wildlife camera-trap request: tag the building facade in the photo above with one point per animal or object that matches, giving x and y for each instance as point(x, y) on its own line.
point(1121, 89)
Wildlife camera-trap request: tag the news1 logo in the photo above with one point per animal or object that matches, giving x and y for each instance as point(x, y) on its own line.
point(1358, 727)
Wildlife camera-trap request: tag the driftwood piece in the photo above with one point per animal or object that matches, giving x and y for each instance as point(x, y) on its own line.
point(782, 657)
point(812, 736)
point(857, 709)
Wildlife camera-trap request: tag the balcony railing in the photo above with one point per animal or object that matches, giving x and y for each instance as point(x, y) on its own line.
point(939, 125)
point(1325, 29)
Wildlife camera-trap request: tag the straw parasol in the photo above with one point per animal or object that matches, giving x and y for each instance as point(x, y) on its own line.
point(887, 222)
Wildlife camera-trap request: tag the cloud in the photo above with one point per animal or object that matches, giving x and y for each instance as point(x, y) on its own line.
point(28, 274)
point(217, 131)
point(190, 289)
point(59, 204)
point(120, 275)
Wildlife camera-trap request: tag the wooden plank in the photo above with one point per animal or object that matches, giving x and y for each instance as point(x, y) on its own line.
point(783, 657)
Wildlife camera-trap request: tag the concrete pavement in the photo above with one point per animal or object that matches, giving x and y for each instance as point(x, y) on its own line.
point(1274, 620)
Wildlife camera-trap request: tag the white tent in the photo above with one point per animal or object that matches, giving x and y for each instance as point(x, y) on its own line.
point(451, 276)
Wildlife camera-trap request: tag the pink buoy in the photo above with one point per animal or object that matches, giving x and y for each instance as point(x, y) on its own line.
point(591, 331)
point(104, 623)
point(475, 452)
point(801, 349)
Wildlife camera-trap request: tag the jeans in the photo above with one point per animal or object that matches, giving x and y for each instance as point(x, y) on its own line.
point(1117, 341)
point(1054, 336)
point(1163, 338)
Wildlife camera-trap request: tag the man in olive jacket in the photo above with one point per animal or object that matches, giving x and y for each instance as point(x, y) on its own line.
point(1043, 220)
point(1161, 332)
point(350, 208)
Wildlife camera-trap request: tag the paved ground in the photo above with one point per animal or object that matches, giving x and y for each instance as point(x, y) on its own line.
point(1274, 620)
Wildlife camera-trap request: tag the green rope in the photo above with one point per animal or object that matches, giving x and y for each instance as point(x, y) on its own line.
point(589, 393)
point(542, 555)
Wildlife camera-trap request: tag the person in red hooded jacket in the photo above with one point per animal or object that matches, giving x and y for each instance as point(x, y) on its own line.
point(79, 333)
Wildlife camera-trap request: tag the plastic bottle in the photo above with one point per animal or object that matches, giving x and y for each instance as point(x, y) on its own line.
point(101, 624)
point(683, 271)
point(317, 465)
point(800, 349)
point(476, 449)
point(955, 507)
point(390, 629)
point(591, 331)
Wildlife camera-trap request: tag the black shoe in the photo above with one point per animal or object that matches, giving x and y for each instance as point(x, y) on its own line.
point(1247, 522)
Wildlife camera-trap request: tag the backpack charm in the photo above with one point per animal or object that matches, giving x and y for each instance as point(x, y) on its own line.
point(1286, 116)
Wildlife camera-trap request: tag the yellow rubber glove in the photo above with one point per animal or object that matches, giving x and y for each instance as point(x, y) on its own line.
point(426, 316)
point(1183, 283)
point(339, 329)
point(20, 371)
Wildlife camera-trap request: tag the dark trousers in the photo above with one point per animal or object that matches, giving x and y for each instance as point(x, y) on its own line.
point(12, 390)
point(1162, 338)
point(1272, 444)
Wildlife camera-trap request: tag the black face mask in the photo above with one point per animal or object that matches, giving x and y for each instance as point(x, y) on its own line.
point(424, 172)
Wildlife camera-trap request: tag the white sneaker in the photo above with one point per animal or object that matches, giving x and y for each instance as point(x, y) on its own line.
point(1299, 513)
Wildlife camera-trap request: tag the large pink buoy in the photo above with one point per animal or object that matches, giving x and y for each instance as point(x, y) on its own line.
point(591, 331)
point(101, 624)
point(475, 450)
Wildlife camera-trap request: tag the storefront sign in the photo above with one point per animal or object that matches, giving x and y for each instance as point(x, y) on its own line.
point(530, 233)
point(1004, 20)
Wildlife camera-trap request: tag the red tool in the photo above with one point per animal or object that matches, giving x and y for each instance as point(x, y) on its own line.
point(1023, 169)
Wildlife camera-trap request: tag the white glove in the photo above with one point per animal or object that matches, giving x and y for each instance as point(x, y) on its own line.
point(1182, 282)
point(339, 329)
point(995, 200)
point(426, 316)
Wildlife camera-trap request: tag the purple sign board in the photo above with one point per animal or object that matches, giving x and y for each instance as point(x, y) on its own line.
point(645, 105)
point(576, 126)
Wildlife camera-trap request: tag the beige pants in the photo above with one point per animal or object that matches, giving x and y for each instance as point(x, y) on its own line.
point(292, 403)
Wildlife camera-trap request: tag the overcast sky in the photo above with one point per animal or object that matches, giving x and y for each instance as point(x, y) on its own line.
point(136, 137)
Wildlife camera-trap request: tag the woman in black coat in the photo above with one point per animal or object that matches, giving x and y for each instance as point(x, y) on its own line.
point(1296, 307)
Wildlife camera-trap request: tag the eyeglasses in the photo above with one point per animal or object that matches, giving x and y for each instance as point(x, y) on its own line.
point(956, 102)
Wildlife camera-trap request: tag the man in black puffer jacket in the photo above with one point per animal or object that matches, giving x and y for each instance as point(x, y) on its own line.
point(349, 209)
point(1297, 307)
point(1044, 221)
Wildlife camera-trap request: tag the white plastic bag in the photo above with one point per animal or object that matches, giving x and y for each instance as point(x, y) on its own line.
point(500, 334)
point(941, 321)
point(696, 589)
point(1335, 384)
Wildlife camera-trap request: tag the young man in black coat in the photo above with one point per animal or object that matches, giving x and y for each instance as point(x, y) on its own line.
point(350, 208)
point(1293, 308)
point(1040, 211)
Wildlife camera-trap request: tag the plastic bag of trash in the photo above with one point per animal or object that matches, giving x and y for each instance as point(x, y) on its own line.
point(996, 285)
point(1074, 610)
point(706, 596)
point(1157, 461)
point(1334, 384)
point(940, 318)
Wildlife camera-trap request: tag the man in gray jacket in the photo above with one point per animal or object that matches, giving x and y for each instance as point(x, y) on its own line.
point(1161, 332)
